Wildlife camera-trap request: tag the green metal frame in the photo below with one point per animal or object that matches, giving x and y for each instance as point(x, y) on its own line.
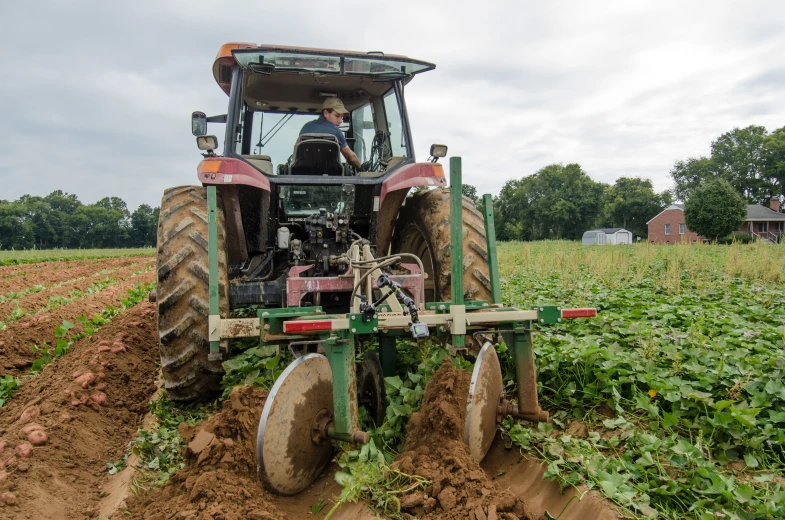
point(339, 344)
point(456, 239)
point(212, 264)
point(490, 240)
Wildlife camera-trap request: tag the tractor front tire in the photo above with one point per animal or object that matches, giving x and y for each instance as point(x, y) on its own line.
point(423, 229)
point(183, 294)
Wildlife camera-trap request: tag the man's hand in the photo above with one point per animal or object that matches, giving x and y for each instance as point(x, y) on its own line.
point(351, 157)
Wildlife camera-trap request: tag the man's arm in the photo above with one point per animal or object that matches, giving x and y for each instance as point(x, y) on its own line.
point(351, 157)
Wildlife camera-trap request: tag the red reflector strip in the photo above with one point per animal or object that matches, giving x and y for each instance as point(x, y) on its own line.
point(307, 325)
point(578, 313)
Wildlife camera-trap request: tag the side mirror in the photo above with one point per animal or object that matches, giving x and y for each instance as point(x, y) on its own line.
point(437, 151)
point(207, 143)
point(199, 123)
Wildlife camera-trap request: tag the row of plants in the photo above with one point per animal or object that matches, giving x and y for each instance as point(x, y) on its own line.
point(32, 256)
point(61, 300)
point(670, 402)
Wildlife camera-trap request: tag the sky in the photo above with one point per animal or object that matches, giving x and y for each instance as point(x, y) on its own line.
point(96, 96)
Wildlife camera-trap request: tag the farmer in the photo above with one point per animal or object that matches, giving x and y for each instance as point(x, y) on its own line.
point(333, 113)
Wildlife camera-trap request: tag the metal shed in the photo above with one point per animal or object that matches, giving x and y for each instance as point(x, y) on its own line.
point(607, 236)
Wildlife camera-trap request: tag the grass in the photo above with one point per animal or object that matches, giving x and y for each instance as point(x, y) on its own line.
point(676, 388)
point(32, 256)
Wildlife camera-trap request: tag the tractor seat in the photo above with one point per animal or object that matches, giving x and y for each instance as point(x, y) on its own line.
point(261, 162)
point(316, 154)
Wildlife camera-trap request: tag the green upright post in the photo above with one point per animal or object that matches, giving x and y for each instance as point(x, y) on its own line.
point(456, 238)
point(212, 263)
point(490, 239)
point(340, 354)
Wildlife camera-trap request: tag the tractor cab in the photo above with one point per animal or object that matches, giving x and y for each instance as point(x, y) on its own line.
point(273, 91)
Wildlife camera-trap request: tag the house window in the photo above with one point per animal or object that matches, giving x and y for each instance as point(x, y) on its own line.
point(681, 229)
point(763, 227)
point(667, 229)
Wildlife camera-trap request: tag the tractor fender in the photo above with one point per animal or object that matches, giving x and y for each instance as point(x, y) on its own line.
point(223, 171)
point(394, 191)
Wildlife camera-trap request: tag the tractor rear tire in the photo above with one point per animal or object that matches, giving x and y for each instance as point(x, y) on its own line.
point(423, 229)
point(183, 294)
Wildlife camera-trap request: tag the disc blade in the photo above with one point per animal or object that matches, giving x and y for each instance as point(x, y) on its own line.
point(286, 458)
point(485, 392)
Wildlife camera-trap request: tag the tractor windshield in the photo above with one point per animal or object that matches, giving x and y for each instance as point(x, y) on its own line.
point(307, 200)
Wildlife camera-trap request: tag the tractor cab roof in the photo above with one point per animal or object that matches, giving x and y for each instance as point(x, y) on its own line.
point(297, 79)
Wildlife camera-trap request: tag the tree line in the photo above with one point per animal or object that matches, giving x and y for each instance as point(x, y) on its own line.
point(61, 220)
point(562, 202)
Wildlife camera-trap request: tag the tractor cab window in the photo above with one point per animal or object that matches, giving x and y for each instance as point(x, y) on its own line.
point(397, 138)
point(275, 134)
point(363, 132)
point(305, 200)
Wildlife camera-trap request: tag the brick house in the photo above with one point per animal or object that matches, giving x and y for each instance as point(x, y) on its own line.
point(668, 227)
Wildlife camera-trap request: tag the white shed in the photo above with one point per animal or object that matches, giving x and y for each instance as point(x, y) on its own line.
point(607, 236)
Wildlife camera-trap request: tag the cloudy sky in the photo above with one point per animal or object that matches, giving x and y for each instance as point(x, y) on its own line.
point(96, 96)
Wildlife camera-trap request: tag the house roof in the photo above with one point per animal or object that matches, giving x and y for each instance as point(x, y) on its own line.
point(679, 207)
point(755, 213)
point(607, 231)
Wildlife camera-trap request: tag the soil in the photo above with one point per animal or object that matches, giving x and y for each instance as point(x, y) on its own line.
point(89, 404)
point(79, 280)
point(58, 272)
point(435, 450)
point(18, 337)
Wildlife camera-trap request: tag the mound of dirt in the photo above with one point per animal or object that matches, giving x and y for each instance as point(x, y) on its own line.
point(61, 428)
point(435, 450)
point(220, 479)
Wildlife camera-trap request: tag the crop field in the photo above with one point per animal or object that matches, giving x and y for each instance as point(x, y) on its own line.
point(669, 404)
point(44, 255)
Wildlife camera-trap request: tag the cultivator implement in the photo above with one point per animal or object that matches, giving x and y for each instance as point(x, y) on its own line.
point(315, 400)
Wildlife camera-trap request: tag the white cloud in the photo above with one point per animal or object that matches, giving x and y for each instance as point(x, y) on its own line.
point(96, 96)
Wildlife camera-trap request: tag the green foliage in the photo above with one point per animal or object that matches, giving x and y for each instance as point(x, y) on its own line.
point(33, 256)
point(715, 210)
point(556, 202)
point(630, 203)
point(470, 191)
point(749, 159)
point(160, 448)
point(679, 380)
point(8, 385)
point(60, 220)
point(64, 341)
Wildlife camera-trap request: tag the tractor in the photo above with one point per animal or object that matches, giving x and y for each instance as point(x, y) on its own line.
point(329, 257)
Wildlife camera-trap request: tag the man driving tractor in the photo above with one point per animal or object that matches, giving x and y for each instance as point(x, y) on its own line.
point(333, 113)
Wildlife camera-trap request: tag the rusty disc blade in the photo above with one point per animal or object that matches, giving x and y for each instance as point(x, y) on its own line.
point(287, 459)
point(482, 403)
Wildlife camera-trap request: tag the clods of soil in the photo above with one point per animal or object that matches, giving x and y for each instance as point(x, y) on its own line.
point(435, 450)
point(219, 480)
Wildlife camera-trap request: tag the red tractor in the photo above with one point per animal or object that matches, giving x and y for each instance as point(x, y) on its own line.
point(288, 212)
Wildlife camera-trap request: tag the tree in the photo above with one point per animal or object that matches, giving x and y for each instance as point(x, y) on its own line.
point(715, 210)
point(556, 202)
point(144, 226)
point(631, 202)
point(688, 175)
point(471, 192)
point(774, 162)
point(737, 156)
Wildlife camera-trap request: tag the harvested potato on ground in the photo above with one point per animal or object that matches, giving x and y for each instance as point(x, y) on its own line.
point(37, 438)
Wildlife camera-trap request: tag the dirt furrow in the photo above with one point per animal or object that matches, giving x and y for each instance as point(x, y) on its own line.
point(62, 272)
point(33, 302)
point(36, 271)
point(88, 405)
point(17, 339)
